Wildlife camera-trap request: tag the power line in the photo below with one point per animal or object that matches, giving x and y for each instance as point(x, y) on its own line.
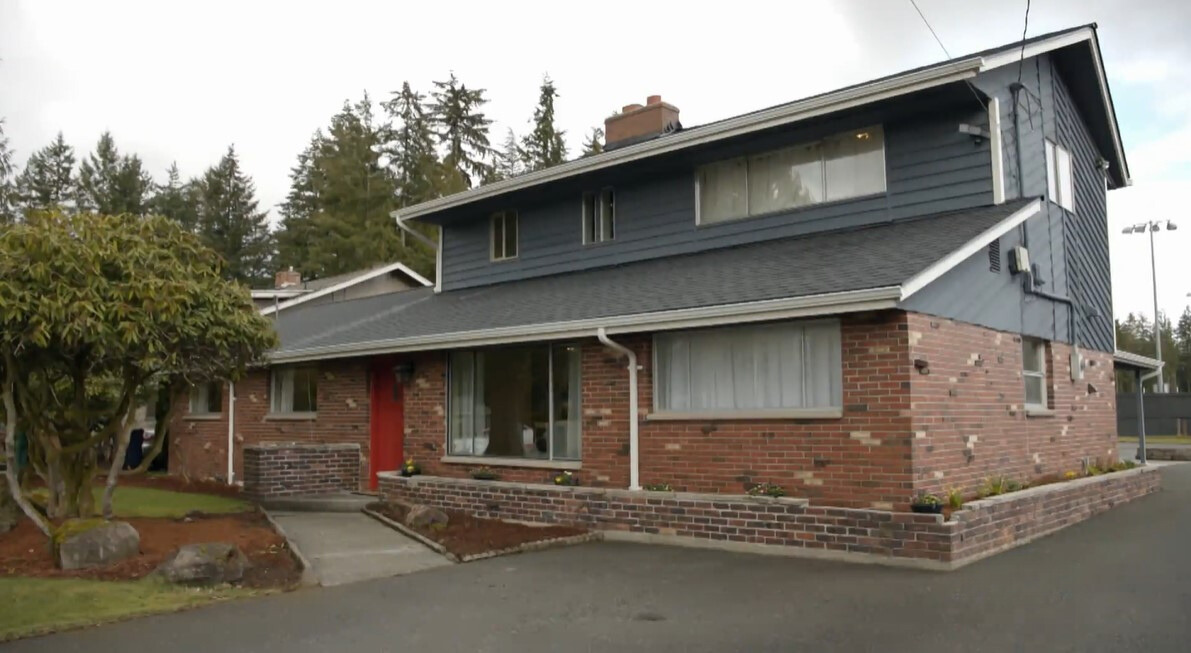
point(938, 40)
point(1022, 59)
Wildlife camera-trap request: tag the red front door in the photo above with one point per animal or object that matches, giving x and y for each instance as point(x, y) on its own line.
point(388, 421)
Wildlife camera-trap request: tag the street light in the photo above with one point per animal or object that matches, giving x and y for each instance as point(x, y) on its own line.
point(1151, 227)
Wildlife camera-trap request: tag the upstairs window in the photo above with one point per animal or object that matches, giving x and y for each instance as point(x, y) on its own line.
point(839, 167)
point(295, 390)
point(206, 399)
point(1060, 183)
point(1033, 355)
point(504, 235)
point(599, 216)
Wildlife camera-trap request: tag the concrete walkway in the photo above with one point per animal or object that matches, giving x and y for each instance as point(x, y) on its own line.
point(346, 547)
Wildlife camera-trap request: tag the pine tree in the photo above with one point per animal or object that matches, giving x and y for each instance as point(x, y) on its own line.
point(594, 143)
point(414, 161)
point(111, 184)
point(544, 146)
point(177, 200)
point(230, 222)
point(48, 180)
point(296, 235)
point(8, 190)
point(508, 159)
point(462, 128)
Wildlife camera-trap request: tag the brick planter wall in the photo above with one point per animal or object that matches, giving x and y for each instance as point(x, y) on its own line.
point(787, 525)
point(278, 470)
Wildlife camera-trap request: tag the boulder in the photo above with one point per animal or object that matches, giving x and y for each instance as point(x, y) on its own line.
point(80, 543)
point(210, 563)
point(420, 516)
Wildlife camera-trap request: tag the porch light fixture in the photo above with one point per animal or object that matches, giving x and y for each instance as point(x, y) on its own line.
point(403, 372)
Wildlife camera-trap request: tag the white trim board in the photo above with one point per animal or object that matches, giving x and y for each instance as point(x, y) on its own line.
point(364, 276)
point(943, 265)
point(994, 146)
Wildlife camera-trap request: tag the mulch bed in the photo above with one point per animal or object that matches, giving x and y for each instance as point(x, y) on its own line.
point(466, 535)
point(24, 551)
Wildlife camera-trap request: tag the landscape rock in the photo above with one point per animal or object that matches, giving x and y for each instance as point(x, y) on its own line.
point(210, 563)
point(81, 543)
point(420, 516)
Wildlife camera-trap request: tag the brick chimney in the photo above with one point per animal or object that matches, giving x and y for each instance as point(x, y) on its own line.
point(287, 279)
point(636, 123)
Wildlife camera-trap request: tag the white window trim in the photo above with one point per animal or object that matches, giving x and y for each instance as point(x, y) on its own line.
point(814, 412)
point(504, 217)
point(826, 202)
point(1044, 406)
point(1056, 191)
point(598, 197)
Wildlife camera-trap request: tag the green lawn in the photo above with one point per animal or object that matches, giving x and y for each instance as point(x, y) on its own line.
point(40, 605)
point(1161, 439)
point(150, 502)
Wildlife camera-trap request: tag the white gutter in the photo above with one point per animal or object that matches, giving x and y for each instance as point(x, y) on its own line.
point(634, 447)
point(396, 215)
point(792, 112)
point(231, 432)
point(872, 299)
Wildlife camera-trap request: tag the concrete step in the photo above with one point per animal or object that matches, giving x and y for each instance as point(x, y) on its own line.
point(340, 502)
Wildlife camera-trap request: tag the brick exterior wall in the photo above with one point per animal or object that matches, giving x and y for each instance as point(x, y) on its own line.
point(279, 470)
point(198, 445)
point(982, 528)
point(969, 418)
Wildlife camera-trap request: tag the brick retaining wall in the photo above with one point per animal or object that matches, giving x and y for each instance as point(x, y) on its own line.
point(788, 525)
point(278, 470)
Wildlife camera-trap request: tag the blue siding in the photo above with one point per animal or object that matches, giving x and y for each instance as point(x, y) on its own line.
point(1071, 250)
point(930, 168)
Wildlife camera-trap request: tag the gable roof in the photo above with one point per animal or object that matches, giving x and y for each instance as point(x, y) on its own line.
point(917, 79)
point(323, 287)
point(824, 273)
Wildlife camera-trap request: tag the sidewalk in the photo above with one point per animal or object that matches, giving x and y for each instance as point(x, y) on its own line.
point(348, 547)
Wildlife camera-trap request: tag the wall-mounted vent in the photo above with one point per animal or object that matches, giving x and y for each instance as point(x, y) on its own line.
point(994, 256)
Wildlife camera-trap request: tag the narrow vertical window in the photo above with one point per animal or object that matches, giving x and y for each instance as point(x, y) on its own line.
point(504, 235)
point(599, 216)
point(1060, 179)
point(1033, 354)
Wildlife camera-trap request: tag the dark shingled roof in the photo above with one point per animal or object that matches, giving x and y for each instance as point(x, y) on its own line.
point(828, 262)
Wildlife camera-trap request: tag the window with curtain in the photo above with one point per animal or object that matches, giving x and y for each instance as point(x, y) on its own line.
point(519, 402)
point(842, 166)
point(206, 399)
point(1033, 356)
point(295, 390)
point(786, 366)
point(599, 216)
point(504, 235)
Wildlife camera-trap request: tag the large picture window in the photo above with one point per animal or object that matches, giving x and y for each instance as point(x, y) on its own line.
point(775, 367)
point(520, 402)
point(846, 165)
point(295, 390)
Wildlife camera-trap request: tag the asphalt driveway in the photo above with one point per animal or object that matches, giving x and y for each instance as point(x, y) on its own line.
point(1120, 582)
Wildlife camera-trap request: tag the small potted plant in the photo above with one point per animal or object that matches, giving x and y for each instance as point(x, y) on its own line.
point(566, 479)
point(410, 468)
point(926, 503)
point(484, 473)
point(767, 490)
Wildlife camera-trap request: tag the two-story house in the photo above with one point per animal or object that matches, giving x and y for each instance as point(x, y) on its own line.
point(895, 287)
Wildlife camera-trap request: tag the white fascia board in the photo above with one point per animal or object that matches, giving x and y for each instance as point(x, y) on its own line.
point(1137, 360)
point(366, 276)
point(1011, 56)
point(872, 299)
point(904, 84)
point(284, 292)
point(945, 264)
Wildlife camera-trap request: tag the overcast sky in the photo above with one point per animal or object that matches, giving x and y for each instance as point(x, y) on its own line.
point(179, 82)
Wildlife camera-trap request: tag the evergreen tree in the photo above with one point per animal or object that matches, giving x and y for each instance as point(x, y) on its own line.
point(230, 222)
point(1182, 333)
point(48, 180)
point(8, 190)
point(594, 143)
point(508, 159)
point(462, 128)
point(111, 184)
point(177, 200)
point(544, 146)
point(414, 160)
point(301, 204)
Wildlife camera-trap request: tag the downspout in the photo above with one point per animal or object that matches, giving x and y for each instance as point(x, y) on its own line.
point(231, 432)
point(634, 449)
point(396, 215)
